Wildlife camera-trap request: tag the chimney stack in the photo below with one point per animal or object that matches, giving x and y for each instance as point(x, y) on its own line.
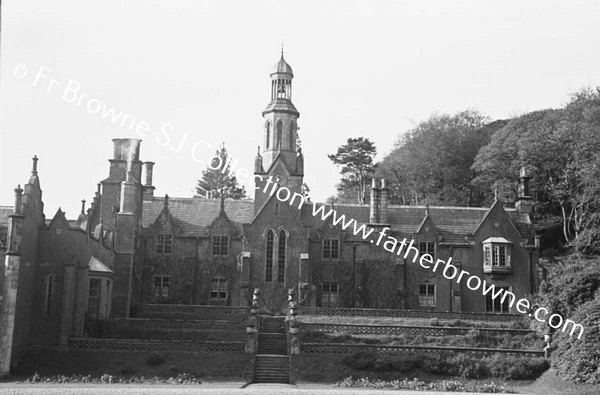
point(128, 195)
point(18, 200)
point(524, 202)
point(383, 203)
point(15, 225)
point(126, 153)
point(83, 206)
point(374, 203)
point(148, 188)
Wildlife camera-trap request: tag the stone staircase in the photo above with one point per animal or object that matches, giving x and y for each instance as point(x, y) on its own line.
point(272, 362)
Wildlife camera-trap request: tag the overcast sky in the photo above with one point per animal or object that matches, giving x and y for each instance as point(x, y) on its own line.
point(199, 70)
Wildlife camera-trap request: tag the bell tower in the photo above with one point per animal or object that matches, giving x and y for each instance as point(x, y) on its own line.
point(280, 157)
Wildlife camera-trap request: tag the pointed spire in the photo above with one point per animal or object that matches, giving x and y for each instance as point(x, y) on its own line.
point(35, 160)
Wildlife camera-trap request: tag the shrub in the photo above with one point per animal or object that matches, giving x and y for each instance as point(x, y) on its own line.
point(155, 359)
point(362, 360)
point(578, 360)
point(128, 370)
point(467, 367)
point(434, 322)
point(183, 378)
point(417, 385)
point(517, 368)
point(433, 363)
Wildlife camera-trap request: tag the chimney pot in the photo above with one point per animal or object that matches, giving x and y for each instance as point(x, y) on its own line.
point(83, 206)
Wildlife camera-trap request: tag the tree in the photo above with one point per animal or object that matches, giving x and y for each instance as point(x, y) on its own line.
point(217, 180)
point(560, 148)
point(431, 163)
point(356, 159)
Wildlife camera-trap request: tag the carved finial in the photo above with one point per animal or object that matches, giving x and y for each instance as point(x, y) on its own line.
point(258, 150)
point(35, 160)
point(82, 206)
point(166, 200)
point(282, 48)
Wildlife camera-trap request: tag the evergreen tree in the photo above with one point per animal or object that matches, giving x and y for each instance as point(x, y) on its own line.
point(356, 160)
point(217, 180)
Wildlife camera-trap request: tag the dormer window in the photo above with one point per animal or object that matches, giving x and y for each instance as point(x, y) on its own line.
point(496, 255)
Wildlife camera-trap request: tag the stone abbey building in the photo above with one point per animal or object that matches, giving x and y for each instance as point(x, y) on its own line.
point(130, 247)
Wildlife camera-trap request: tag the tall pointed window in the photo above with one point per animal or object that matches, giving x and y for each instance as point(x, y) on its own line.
point(48, 293)
point(268, 143)
point(292, 137)
point(269, 257)
point(279, 133)
point(281, 257)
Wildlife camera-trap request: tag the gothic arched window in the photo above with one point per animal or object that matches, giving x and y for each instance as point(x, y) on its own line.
point(281, 257)
point(49, 284)
point(279, 133)
point(269, 257)
point(292, 134)
point(268, 134)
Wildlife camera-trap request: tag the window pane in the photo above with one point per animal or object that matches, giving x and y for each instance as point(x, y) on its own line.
point(334, 287)
point(269, 257)
point(335, 247)
point(325, 287)
point(502, 255)
point(327, 248)
point(281, 258)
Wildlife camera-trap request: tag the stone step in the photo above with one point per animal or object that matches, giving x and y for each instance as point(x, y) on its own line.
point(271, 369)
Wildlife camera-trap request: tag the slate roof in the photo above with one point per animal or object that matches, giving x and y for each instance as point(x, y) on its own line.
point(193, 215)
point(5, 211)
point(452, 223)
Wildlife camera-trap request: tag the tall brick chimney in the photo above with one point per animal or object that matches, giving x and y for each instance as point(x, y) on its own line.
point(374, 206)
point(148, 188)
point(126, 160)
point(383, 203)
point(524, 202)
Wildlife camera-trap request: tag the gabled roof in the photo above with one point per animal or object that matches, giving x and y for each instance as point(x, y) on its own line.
point(194, 215)
point(95, 265)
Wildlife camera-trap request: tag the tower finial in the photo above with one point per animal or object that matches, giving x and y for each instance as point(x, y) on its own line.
point(282, 48)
